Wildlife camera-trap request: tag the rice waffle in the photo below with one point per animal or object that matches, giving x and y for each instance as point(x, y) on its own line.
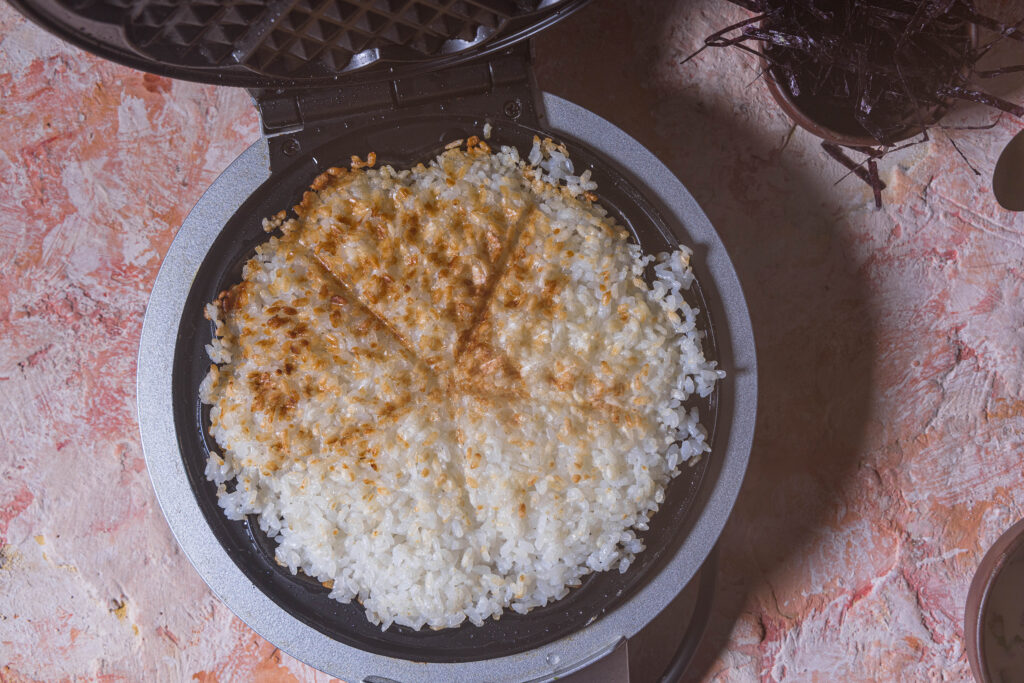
point(445, 423)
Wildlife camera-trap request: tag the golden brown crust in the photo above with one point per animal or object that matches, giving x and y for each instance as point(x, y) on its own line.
point(421, 279)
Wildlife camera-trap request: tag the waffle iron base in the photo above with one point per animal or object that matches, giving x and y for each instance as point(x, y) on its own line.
point(583, 637)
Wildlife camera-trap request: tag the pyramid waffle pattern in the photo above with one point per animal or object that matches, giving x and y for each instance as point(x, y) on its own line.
point(302, 38)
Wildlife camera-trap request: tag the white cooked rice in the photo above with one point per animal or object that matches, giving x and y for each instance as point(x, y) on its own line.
point(434, 494)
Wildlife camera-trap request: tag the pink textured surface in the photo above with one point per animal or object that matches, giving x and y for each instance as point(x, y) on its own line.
point(889, 446)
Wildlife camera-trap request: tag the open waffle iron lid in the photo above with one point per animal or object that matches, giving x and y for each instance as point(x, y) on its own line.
point(313, 66)
point(293, 43)
point(401, 75)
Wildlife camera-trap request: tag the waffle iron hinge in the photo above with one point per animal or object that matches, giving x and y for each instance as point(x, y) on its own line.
point(500, 85)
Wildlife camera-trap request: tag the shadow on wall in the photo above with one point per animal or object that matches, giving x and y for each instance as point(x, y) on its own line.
point(810, 311)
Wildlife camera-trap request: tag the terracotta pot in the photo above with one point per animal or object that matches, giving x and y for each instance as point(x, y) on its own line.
point(975, 613)
point(786, 103)
point(823, 131)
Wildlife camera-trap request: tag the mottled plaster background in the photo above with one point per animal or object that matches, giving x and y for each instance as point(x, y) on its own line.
point(888, 454)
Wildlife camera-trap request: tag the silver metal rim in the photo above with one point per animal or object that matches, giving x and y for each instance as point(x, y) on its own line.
point(571, 653)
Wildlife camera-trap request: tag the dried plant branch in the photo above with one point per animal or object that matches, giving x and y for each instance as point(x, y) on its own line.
point(873, 68)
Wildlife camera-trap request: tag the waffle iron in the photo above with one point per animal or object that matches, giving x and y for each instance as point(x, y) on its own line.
point(400, 78)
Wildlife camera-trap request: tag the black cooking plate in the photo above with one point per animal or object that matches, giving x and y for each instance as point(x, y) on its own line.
point(404, 144)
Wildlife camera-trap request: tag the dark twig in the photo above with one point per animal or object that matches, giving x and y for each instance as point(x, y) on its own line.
point(875, 182)
point(837, 153)
point(963, 156)
point(980, 97)
point(714, 40)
